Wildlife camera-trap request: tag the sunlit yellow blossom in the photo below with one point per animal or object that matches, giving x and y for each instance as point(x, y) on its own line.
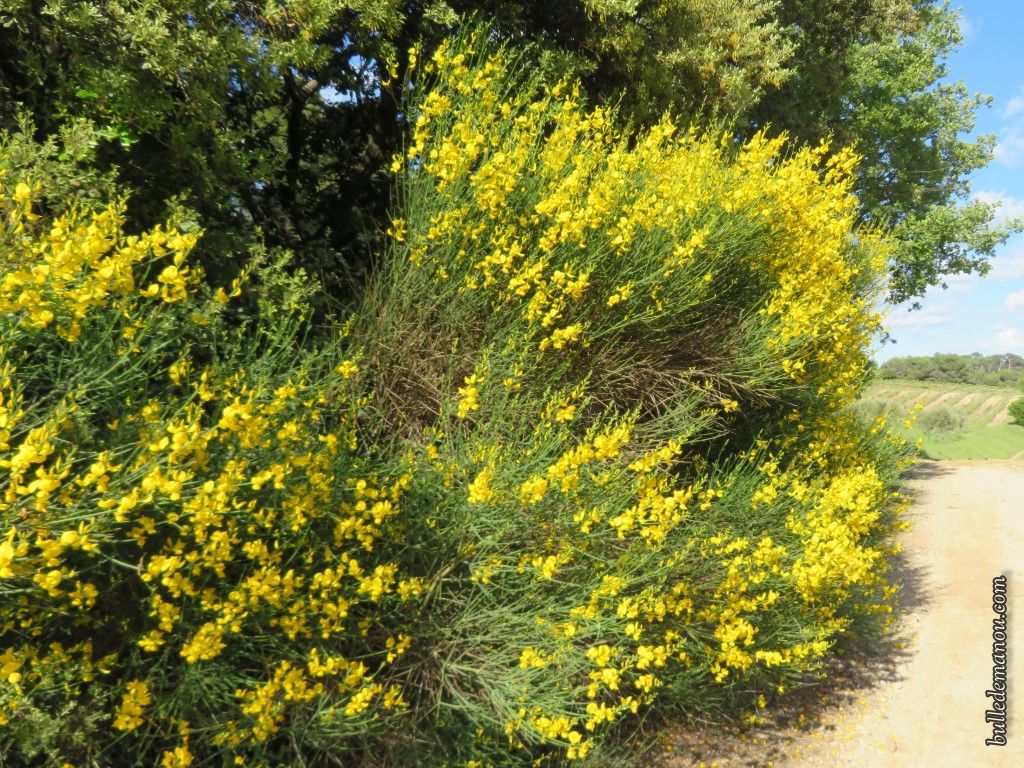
point(531, 657)
point(622, 293)
point(468, 397)
point(179, 757)
point(533, 490)
point(600, 654)
point(347, 368)
point(7, 554)
point(204, 645)
point(480, 491)
point(561, 337)
point(129, 714)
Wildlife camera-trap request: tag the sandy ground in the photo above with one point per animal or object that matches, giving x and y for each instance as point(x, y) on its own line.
point(919, 702)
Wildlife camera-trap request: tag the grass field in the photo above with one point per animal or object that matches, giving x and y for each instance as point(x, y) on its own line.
point(987, 431)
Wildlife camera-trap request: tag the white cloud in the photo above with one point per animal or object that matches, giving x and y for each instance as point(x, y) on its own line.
point(1004, 338)
point(1009, 207)
point(1009, 150)
point(956, 285)
point(932, 315)
point(1008, 267)
point(1015, 105)
point(967, 28)
point(1015, 301)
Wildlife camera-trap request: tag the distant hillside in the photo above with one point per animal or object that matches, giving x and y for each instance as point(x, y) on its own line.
point(956, 421)
point(995, 370)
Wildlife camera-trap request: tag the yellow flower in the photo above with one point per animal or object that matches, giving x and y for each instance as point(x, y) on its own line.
point(468, 395)
point(347, 369)
point(7, 555)
point(531, 657)
point(561, 337)
point(49, 581)
point(206, 644)
point(9, 666)
point(179, 757)
point(398, 228)
point(129, 714)
point(22, 192)
point(600, 654)
point(622, 293)
point(533, 490)
point(480, 491)
point(565, 413)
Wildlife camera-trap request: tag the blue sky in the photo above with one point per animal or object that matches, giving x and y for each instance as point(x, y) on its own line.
point(981, 314)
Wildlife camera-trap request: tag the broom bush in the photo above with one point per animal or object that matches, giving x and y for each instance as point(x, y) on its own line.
point(583, 450)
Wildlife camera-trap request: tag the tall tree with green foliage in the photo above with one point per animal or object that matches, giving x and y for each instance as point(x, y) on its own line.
point(871, 73)
point(267, 119)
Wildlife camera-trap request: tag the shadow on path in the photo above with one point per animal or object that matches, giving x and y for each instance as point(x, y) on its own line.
point(928, 469)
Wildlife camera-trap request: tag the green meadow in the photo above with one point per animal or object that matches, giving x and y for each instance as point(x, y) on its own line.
point(956, 421)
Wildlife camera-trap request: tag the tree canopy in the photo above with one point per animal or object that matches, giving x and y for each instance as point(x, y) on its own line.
point(976, 368)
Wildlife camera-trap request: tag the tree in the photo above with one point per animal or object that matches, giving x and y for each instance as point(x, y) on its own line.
point(871, 74)
point(1016, 410)
point(268, 120)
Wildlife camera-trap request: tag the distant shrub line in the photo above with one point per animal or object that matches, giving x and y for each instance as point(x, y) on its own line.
point(996, 370)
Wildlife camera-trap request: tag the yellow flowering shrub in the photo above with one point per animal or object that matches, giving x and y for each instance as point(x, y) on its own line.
point(640, 475)
point(584, 448)
point(186, 533)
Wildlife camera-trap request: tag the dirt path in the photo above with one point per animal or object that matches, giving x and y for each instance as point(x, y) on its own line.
point(921, 703)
